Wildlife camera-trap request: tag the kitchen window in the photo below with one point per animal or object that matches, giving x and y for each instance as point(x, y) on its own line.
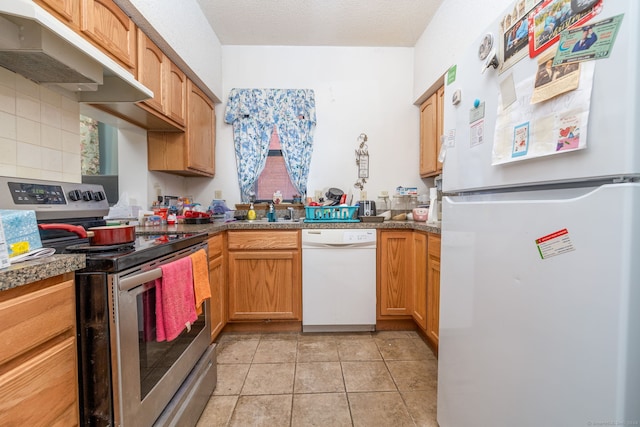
point(274, 176)
point(258, 114)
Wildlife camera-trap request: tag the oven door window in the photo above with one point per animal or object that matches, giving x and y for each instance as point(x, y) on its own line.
point(156, 358)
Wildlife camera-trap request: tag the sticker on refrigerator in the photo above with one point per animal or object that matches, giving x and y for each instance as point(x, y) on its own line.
point(553, 244)
point(589, 42)
point(520, 140)
point(476, 133)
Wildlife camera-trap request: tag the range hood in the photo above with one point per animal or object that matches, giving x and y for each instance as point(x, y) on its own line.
point(37, 46)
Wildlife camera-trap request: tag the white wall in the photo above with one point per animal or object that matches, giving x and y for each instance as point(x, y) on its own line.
point(454, 27)
point(357, 90)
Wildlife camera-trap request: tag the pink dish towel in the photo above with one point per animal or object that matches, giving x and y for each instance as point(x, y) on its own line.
point(175, 301)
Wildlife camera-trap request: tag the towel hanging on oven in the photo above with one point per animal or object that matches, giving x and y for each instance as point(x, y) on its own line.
point(175, 301)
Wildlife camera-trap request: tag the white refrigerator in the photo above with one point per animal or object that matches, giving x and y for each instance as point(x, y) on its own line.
point(540, 269)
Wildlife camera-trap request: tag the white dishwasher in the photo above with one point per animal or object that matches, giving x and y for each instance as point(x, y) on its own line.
point(338, 280)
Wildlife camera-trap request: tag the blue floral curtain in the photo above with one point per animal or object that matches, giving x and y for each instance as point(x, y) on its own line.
point(253, 114)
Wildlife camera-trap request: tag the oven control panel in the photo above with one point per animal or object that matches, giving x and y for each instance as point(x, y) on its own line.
point(53, 200)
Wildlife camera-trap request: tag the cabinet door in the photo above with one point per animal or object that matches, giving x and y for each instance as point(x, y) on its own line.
point(110, 28)
point(264, 285)
point(217, 281)
point(67, 11)
point(433, 289)
point(395, 273)
point(201, 124)
point(420, 279)
point(176, 104)
point(42, 390)
point(151, 71)
point(428, 136)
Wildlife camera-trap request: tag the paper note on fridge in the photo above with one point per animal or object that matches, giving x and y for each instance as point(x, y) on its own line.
point(593, 41)
point(547, 121)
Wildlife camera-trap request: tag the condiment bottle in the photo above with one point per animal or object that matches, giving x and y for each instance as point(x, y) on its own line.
point(251, 215)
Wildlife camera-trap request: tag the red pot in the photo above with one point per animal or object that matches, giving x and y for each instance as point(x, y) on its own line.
point(98, 236)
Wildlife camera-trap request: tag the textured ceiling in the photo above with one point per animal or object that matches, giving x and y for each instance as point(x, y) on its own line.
point(319, 22)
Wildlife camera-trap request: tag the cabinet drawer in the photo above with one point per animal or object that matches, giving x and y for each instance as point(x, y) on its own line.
point(263, 239)
point(31, 319)
point(215, 246)
point(41, 391)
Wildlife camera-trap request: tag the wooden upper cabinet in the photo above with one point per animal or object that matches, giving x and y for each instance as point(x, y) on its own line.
point(189, 153)
point(169, 84)
point(201, 128)
point(152, 64)
point(109, 27)
point(176, 104)
point(431, 127)
point(67, 11)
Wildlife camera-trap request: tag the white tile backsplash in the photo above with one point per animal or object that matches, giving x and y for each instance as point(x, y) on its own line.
point(27, 87)
point(29, 155)
point(27, 106)
point(9, 150)
point(50, 97)
point(39, 130)
point(70, 121)
point(7, 99)
point(70, 142)
point(7, 125)
point(27, 131)
point(70, 163)
point(50, 114)
point(51, 137)
point(52, 160)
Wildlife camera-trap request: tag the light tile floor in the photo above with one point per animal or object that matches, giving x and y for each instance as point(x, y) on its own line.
point(385, 378)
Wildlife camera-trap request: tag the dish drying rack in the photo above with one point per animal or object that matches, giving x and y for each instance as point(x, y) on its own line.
point(331, 214)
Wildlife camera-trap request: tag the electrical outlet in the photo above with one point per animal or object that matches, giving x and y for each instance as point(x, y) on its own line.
point(218, 194)
point(363, 195)
point(318, 195)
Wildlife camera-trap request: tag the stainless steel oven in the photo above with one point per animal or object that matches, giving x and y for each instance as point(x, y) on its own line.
point(126, 376)
point(148, 382)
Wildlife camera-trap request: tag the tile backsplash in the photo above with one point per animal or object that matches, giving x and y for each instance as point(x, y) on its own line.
point(39, 131)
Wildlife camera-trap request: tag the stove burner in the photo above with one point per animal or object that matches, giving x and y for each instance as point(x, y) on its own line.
point(86, 248)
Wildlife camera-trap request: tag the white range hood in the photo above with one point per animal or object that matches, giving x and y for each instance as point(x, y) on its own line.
point(37, 46)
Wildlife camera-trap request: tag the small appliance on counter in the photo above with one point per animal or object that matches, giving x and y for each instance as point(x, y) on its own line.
point(367, 208)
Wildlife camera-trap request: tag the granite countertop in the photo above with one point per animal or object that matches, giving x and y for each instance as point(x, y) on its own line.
point(43, 268)
point(215, 227)
point(31, 271)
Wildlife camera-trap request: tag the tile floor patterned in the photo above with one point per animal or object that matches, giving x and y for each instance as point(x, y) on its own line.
point(385, 378)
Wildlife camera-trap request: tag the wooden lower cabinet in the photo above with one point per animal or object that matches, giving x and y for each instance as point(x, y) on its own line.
point(433, 290)
point(265, 275)
point(395, 274)
point(420, 312)
point(217, 282)
point(38, 357)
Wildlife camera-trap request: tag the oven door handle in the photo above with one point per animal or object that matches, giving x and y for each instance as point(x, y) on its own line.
point(129, 283)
